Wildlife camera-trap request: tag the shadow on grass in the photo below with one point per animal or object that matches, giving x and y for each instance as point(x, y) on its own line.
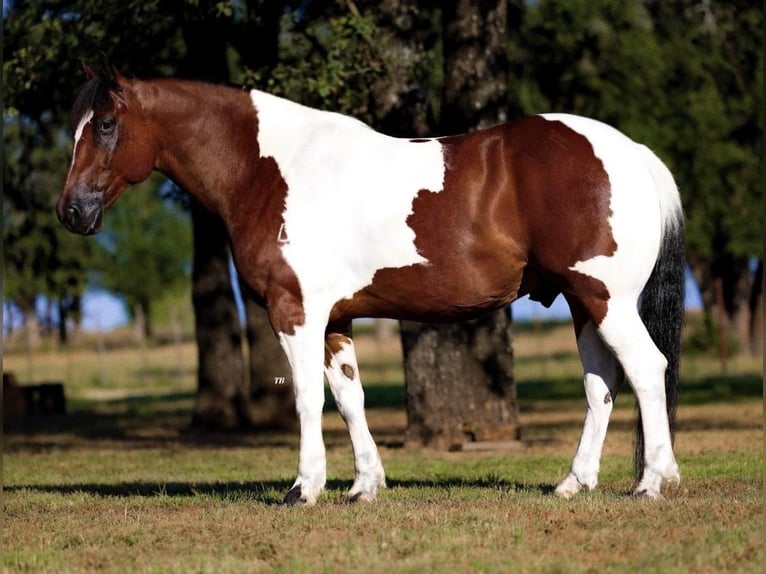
point(147, 420)
point(721, 389)
point(268, 493)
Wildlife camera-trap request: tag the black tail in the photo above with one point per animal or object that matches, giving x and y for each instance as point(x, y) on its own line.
point(662, 311)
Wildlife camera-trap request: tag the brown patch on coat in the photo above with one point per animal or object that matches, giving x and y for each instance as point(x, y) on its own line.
point(521, 204)
point(333, 344)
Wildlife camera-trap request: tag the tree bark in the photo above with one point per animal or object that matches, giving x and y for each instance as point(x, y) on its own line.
point(476, 64)
point(272, 402)
point(222, 396)
point(756, 311)
point(460, 384)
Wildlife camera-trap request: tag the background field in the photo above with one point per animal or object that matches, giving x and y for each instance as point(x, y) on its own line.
point(122, 485)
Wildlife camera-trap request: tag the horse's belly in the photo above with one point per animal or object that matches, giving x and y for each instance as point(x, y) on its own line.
point(434, 293)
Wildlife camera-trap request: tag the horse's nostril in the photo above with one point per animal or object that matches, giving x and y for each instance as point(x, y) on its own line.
point(72, 214)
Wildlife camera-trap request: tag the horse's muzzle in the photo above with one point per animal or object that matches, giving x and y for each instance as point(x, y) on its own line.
point(82, 214)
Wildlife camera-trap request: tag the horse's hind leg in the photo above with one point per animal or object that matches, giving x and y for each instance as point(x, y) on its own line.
point(602, 376)
point(343, 375)
point(625, 334)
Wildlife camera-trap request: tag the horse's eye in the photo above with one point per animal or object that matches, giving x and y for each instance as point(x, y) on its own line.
point(106, 126)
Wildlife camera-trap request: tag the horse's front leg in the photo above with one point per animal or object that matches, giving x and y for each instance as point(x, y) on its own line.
point(305, 350)
point(342, 373)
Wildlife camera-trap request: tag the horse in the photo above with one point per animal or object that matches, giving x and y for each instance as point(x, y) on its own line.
point(330, 220)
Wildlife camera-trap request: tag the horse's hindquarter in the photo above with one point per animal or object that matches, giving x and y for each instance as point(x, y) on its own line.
point(589, 203)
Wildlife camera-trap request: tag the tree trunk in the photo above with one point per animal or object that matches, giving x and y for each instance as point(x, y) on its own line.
point(222, 396)
point(475, 63)
point(271, 393)
point(460, 377)
point(725, 283)
point(62, 326)
point(756, 311)
point(460, 384)
point(139, 324)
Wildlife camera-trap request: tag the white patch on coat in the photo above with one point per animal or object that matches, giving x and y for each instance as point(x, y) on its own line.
point(643, 200)
point(350, 192)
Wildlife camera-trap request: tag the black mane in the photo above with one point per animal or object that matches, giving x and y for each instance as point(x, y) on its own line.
point(94, 94)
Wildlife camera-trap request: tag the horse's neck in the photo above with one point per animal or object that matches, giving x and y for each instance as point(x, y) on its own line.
point(211, 134)
point(213, 138)
point(207, 136)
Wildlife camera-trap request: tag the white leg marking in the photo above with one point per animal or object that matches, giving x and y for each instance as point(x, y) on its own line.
point(305, 353)
point(602, 378)
point(644, 366)
point(346, 386)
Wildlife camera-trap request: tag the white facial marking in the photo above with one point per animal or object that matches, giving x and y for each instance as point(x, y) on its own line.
point(643, 201)
point(78, 132)
point(78, 135)
point(350, 191)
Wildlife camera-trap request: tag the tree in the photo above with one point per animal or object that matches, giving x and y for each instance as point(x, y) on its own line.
point(41, 74)
point(40, 257)
point(226, 398)
point(718, 147)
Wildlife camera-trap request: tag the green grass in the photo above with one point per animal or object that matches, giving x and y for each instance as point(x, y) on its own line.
point(122, 485)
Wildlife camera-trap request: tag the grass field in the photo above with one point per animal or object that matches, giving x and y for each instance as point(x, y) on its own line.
point(121, 485)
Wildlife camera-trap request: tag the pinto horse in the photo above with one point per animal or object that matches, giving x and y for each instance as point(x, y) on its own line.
point(330, 220)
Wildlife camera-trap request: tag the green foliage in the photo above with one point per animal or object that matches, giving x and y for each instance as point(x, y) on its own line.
point(595, 58)
point(718, 132)
point(41, 258)
point(330, 63)
point(681, 76)
point(43, 43)
point(145, 247)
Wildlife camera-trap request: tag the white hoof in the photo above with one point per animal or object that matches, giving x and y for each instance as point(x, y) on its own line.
point(568, 487)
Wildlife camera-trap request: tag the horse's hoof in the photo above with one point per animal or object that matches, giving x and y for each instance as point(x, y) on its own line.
point(565, 493)
point(647, 494)
point(360, 496)
point(293, 496)
point(568, 487)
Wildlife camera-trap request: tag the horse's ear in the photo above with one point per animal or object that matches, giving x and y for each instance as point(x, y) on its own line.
point(117, 76)
point(87, 71)
point(107, 70)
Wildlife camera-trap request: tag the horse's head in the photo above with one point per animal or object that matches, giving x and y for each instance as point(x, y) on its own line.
point(113, 149)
